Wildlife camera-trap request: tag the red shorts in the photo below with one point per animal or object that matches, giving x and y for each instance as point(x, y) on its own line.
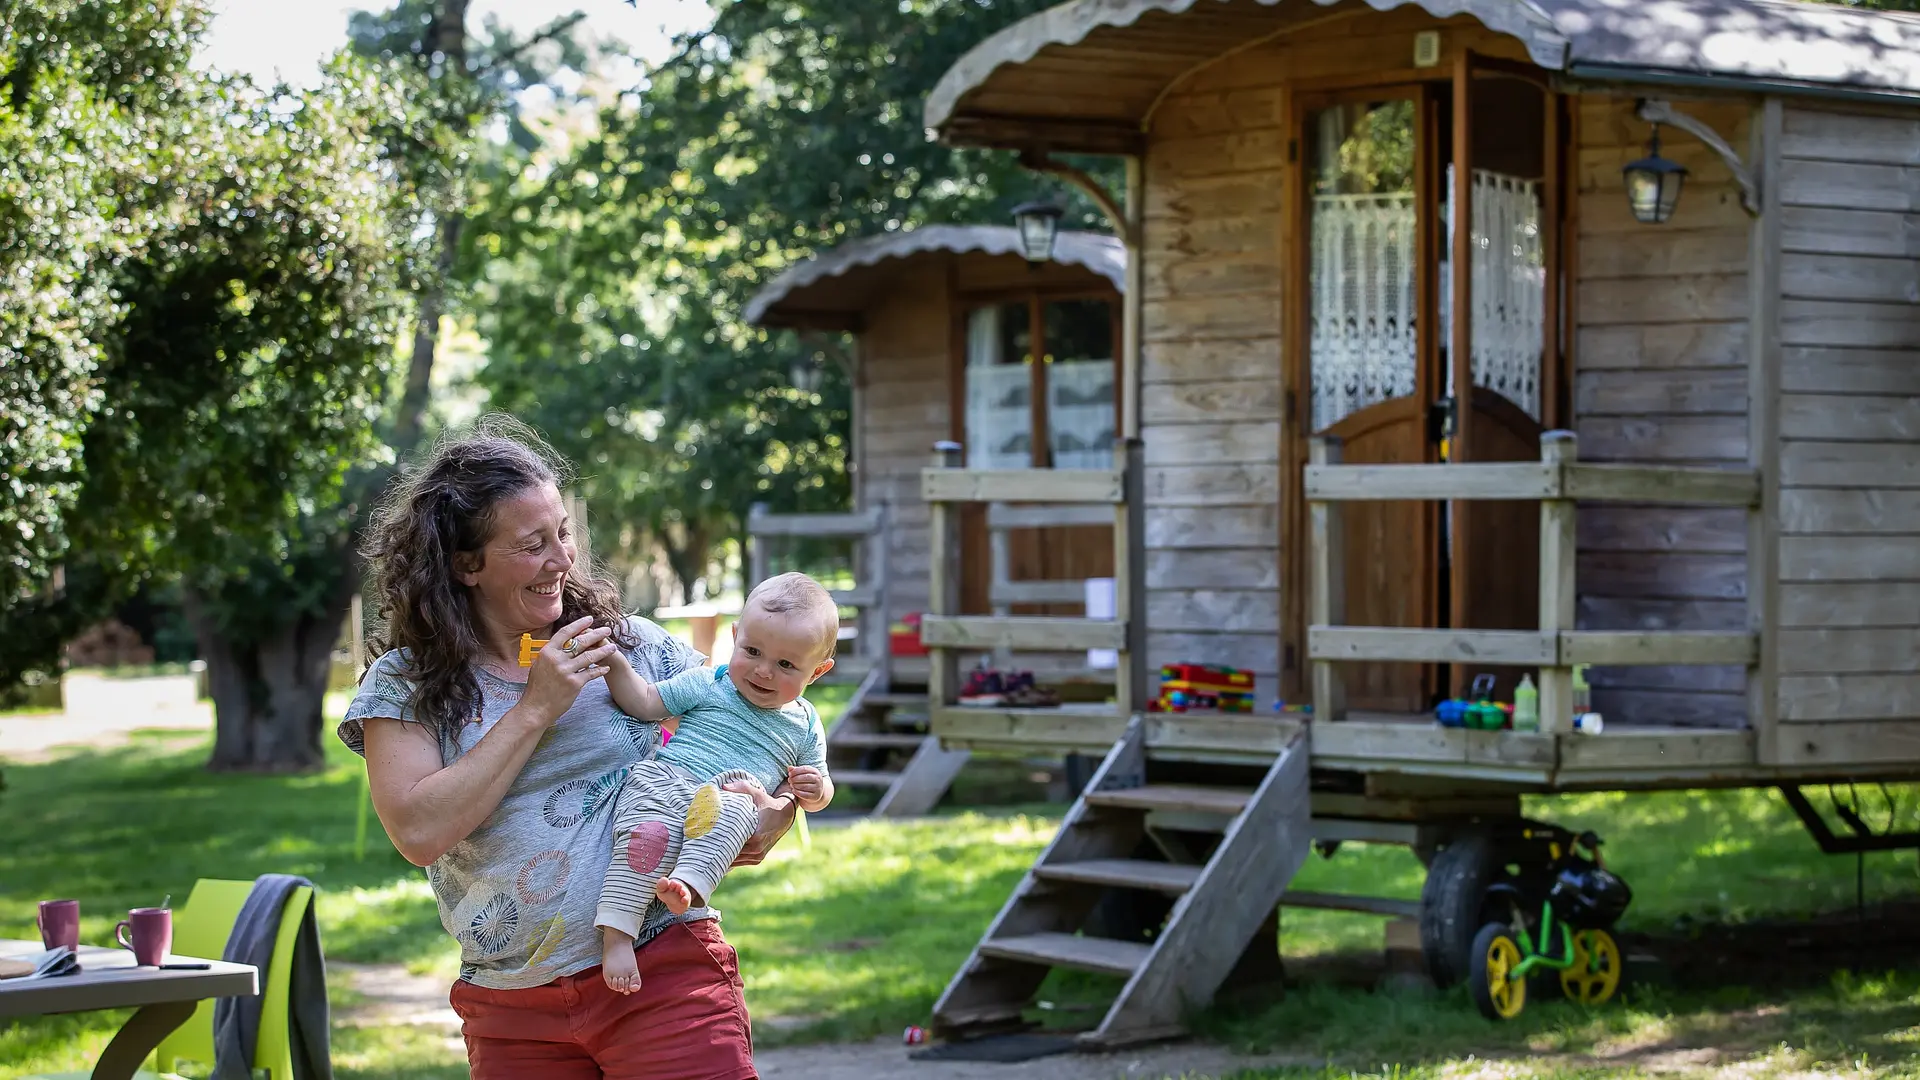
point(688, 1020)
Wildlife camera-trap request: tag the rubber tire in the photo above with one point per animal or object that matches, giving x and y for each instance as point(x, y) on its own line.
point(1452, 902)
point(1477, 985)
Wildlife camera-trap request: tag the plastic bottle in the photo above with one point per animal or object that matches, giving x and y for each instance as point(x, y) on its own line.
point(1582, 695)
point(1526, 705)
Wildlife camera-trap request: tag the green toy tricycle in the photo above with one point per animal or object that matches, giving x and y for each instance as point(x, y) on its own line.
point(1569, 907)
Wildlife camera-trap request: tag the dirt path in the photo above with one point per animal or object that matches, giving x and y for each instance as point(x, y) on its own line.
point(389, 996)
point(34, 738)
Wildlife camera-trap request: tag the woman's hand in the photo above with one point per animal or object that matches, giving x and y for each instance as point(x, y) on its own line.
point(776, 817)
point(558, 677)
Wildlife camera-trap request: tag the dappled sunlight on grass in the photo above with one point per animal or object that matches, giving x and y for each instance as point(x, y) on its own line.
point(857, 936)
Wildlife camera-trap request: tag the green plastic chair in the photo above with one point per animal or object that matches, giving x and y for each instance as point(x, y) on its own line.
point(201, 929)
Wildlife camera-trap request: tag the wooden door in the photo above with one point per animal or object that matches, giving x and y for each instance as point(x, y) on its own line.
point(1498, 542)
point(1506, 160)
point(1366, 369)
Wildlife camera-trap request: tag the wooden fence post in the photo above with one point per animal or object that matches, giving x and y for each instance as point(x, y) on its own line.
point(1327, 600)
point(943, 584)
point(1130, 578)
point(1557, 597)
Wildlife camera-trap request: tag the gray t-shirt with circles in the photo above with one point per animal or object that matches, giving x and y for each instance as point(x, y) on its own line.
point(519, 892)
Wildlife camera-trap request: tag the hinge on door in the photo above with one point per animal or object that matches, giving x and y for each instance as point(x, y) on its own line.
point(1290, 406)
point(1293, 151)
point(1440, 420)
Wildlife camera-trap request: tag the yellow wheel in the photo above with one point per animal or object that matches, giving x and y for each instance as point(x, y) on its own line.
point(1595, 975)
point(1496, 993)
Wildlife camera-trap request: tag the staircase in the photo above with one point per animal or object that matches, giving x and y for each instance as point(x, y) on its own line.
point(881, 741)
point(1220, 899)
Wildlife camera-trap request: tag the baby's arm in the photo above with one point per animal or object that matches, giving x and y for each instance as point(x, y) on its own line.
point(812, 786)
point(632, 694)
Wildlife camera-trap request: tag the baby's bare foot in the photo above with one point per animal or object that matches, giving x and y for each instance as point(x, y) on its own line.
point(676, 896)
point(618, 968)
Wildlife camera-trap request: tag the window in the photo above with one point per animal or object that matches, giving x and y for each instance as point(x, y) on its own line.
point(1059, 413)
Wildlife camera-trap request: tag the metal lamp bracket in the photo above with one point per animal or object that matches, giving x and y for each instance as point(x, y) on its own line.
point(1040, 161)
point(1660, 111)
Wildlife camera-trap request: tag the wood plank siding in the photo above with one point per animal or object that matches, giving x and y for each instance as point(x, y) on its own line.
point(1660, 376)
point(904, 410)
point(1849, 510)
point(1222, 575)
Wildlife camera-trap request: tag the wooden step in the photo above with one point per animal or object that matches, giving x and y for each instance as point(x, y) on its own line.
point(1170, 878)
point(895, 700)
point(1366, 905)
point(863, 778)
point(1176, 797)
point(1104, 955)
point(874, 739)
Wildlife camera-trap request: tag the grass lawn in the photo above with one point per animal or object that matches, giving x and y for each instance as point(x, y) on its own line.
point(856, 936)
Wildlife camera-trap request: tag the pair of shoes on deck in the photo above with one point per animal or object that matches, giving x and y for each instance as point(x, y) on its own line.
point(1013, 689)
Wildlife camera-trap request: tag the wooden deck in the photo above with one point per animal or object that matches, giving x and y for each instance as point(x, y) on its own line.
point(1620, 758)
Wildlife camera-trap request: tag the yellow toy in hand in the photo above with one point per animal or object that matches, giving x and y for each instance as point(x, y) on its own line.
point(529, 646)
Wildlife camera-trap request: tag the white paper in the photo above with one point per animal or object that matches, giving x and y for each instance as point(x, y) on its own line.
point(1101, 602)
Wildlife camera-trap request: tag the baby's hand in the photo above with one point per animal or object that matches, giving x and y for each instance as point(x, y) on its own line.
point(806, 782)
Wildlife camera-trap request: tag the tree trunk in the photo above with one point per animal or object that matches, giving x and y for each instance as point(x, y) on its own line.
point(268, 691)
point(688, 559)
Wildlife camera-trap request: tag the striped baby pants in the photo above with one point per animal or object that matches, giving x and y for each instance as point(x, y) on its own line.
point(667, 823)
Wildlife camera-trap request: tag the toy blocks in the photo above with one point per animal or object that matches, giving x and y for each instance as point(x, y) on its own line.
point(1204, 686)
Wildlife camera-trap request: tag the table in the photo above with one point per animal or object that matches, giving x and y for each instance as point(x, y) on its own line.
point(108, 979)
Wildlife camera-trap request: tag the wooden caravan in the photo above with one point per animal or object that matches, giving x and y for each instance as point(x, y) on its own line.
point(943, 321)
point(1429, 379)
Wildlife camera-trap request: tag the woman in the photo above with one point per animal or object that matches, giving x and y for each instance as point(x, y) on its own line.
point(499, 779)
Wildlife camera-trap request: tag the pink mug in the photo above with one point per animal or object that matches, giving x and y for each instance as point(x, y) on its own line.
point(59, 923)
point(152, 931)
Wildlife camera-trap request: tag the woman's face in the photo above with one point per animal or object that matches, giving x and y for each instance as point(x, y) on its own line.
point(516, 574)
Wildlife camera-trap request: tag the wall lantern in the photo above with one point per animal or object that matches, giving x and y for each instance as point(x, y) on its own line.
point(805, 374)
point(1039, 223)
point(1653, 184)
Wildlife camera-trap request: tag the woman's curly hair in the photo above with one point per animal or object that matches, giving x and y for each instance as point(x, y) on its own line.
point(443, 505)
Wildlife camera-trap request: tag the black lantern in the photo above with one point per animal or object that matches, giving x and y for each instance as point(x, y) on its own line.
point(805, 374)
point(1653, 184)
point(1039, 223)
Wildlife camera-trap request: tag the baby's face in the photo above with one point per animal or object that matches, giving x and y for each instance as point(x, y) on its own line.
point(774, 658)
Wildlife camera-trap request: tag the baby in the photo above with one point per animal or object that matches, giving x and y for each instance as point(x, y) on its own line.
point(675, 832)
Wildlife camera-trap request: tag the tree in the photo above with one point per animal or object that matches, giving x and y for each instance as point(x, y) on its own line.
point(83, 88)
point(237, 389)
point(612, 311)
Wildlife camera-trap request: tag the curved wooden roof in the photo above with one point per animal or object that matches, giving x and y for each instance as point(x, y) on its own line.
point(843, 280)
point(1085, 76)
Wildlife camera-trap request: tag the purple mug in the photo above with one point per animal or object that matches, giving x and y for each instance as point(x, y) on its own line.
point(59, 923)
point(152, 931)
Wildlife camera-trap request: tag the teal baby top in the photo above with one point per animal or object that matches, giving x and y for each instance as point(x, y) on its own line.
point(720, 730)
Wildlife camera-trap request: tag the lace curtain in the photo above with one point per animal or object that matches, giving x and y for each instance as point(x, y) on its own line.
point(1362, 327)
point(1080, 413)
point(1361, 336)
point(999, 410)
point(1509, 286)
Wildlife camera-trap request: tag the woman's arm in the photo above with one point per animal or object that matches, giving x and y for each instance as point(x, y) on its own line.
point(776, 817)
point(426, 806)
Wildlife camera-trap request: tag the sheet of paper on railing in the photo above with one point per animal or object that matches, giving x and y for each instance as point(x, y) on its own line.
point(1101, 603)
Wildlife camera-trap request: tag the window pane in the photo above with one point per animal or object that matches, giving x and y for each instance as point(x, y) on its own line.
point(999, 433)
point(1361, 319)
point(1080, 372)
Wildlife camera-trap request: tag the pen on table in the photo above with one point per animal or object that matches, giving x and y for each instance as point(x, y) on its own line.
point(186, 967)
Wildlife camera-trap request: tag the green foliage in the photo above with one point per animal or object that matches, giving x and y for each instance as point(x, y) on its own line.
point(86, 89)
point(611, 305)
point(249, 242)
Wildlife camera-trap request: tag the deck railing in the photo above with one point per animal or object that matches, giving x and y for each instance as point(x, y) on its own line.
point(868, 529)
point(1558, 481)
point(1032, 498)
